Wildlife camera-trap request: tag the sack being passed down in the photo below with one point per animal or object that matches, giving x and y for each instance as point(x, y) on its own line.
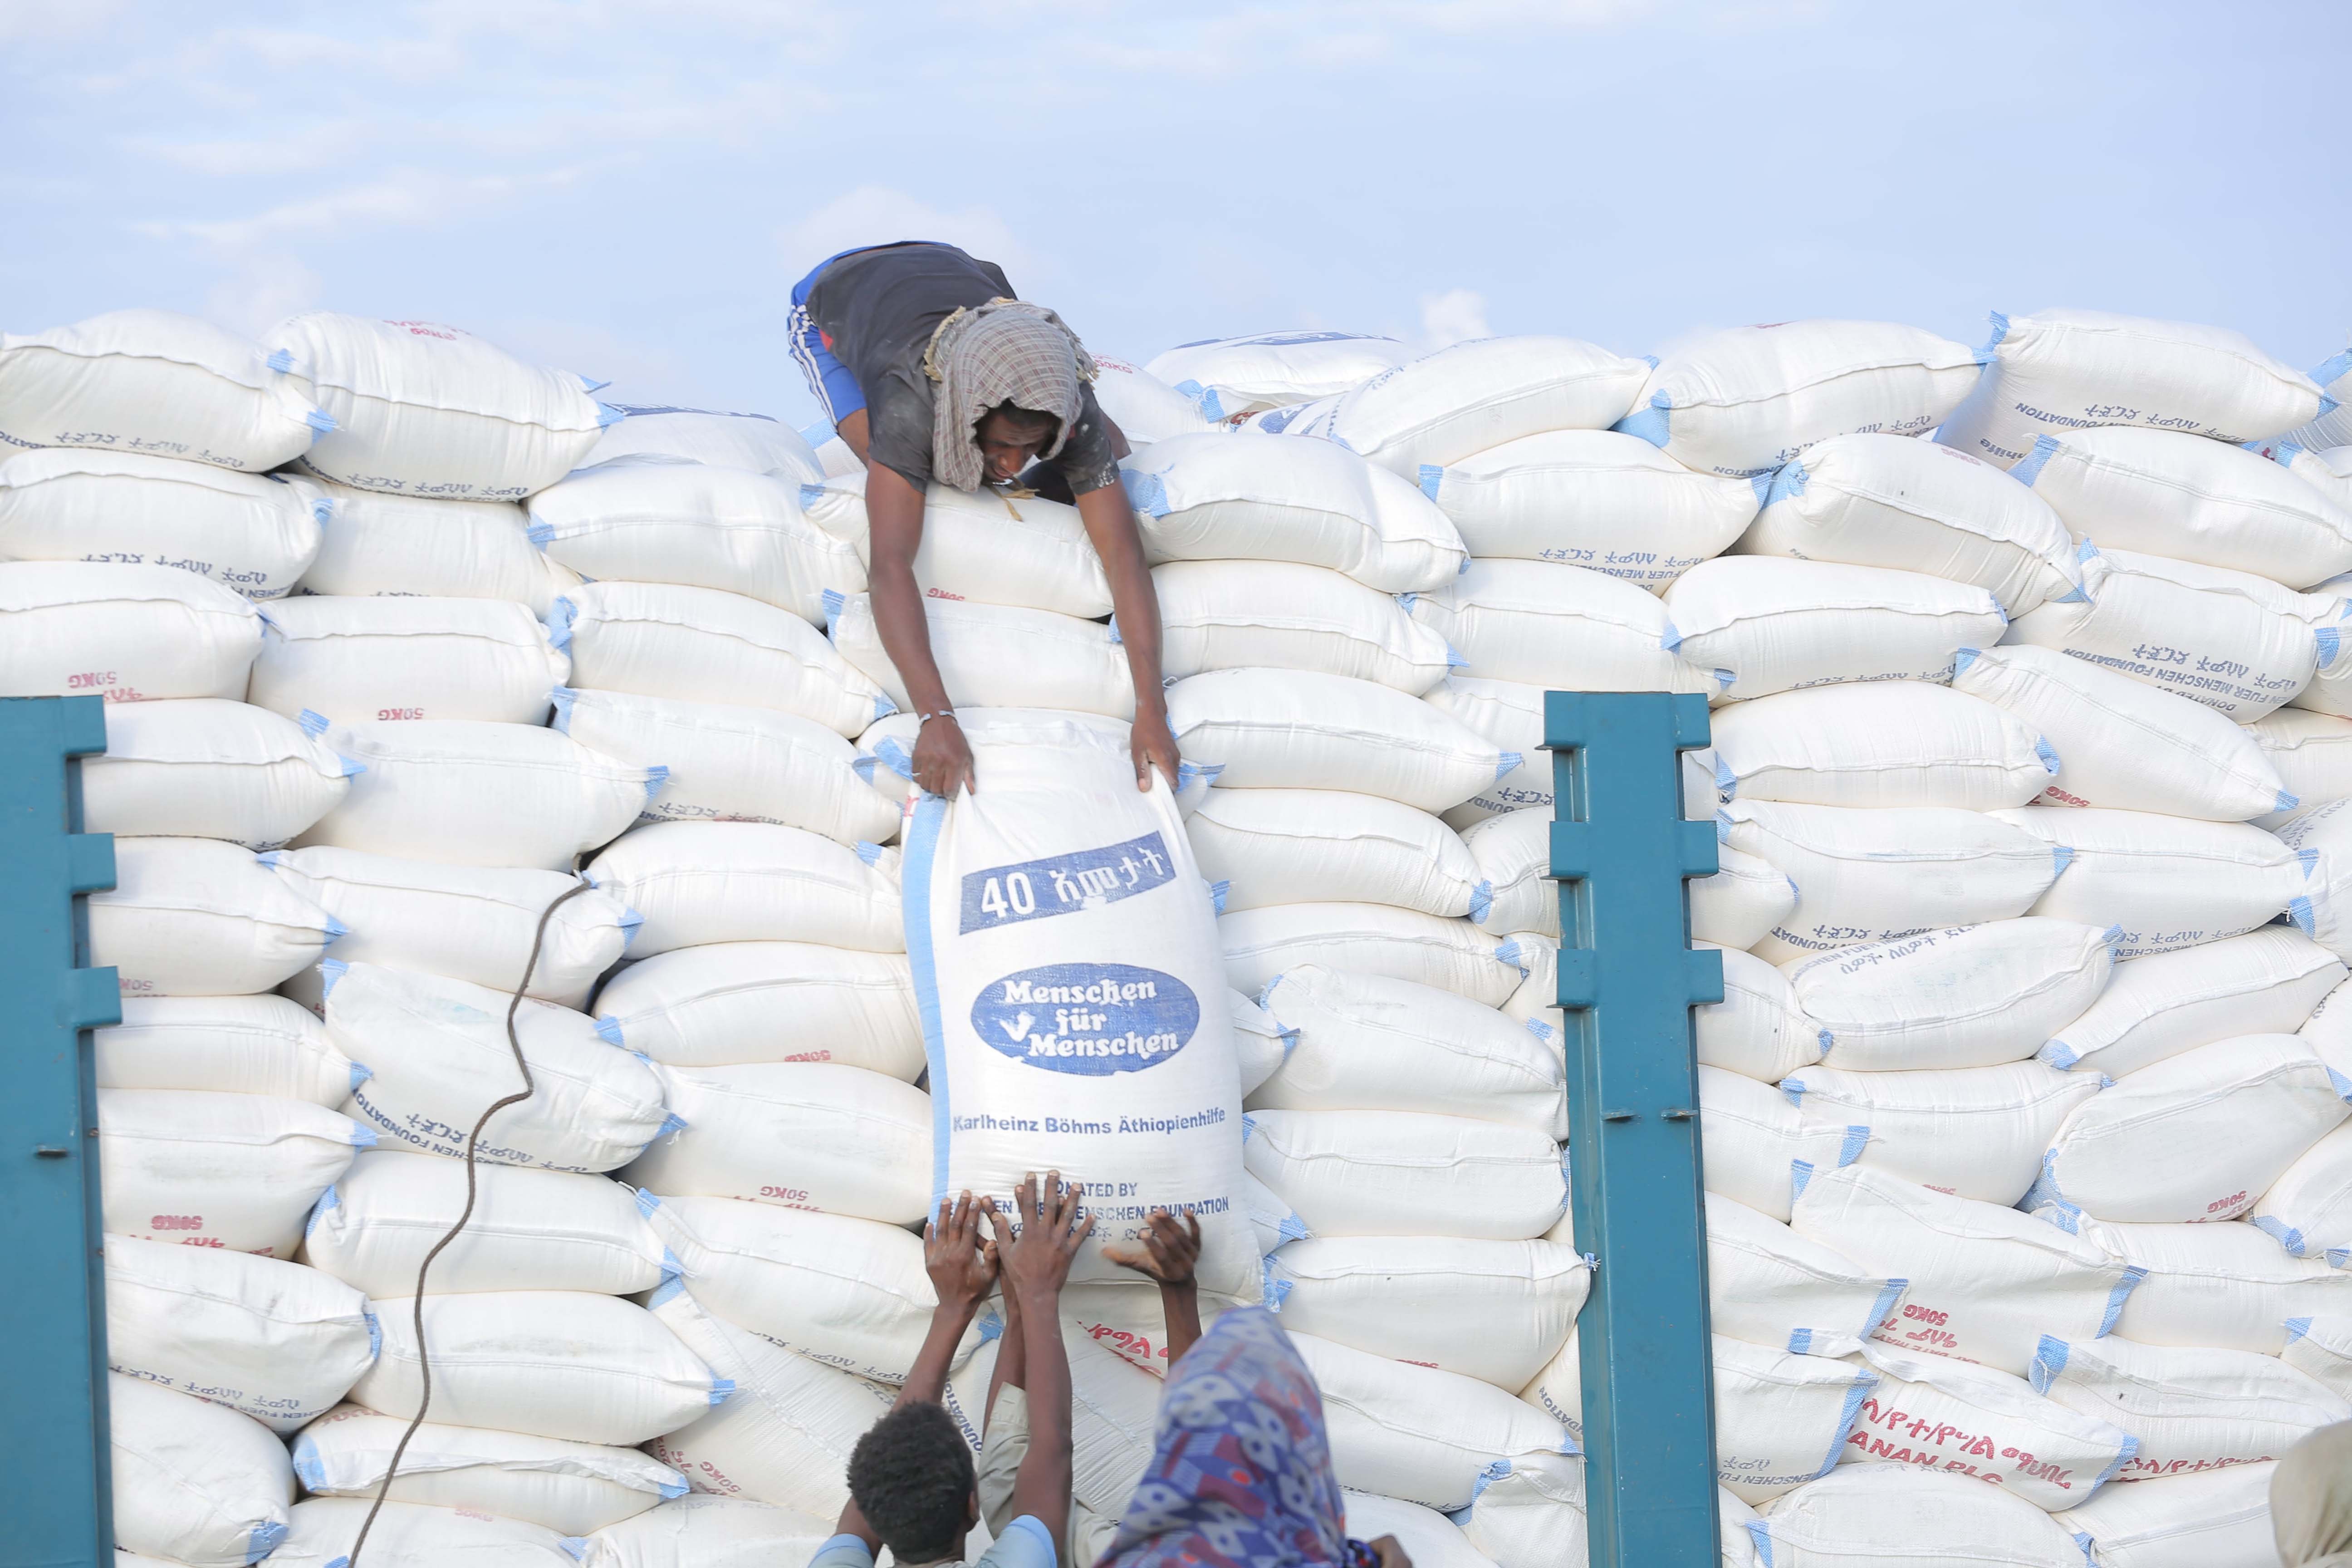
point(1066, 967)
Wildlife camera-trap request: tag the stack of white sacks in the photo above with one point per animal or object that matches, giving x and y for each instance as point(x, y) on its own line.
point(2024, 1120)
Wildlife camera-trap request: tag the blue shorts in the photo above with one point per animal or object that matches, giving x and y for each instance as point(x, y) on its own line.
point(835, 390)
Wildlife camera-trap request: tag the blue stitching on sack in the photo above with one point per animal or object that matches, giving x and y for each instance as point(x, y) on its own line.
point(2029, 468)
point(922, 846)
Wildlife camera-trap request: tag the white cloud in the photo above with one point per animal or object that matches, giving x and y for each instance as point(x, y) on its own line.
point(1453, 317)
point(408, 198)
point(262, 289)
point(876, 214)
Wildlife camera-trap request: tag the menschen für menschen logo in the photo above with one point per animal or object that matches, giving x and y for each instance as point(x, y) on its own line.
point(1093, 1019)
point(1064, 884)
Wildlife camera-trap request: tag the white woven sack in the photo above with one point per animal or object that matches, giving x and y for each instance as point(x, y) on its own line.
point(1781, 1420)
point(698, 883)
point(1985, 1282)
point(2325, 468)
point(530, 1229)
point(2311, 752)
point(224, 1045)
point(658, 639)
point(1512, 856)
point(1145, 408)
point(848, 1292)
point(1977, 1132)
point(2168, 882)
point(2199, 1136)
point(885, 751)
point(1203, 498)
point(1282, 729)
point(2163, 492)
point(252, 533)
point(1473, 395)
point(1403, 1173)
point(1595, 499)
point(1510, 713)
point(471, 794)
point(2062, 370)
point(406, 658)
point(1755, 1140)
point(1414, 1432)
point(1376, 939)
point(727, 1002)
point(129, 634)
point(1532, 1515)
point(1865, 876)
point(444, 1058)
point(203, 768)
point(701, 1531)
point(758, 443)
point(2265, 982)
point(2226, 1285)
point(154, 381)
point(2192, 1408)
point(197, 917)
point(194, 1482)
point(1877, 499)
point(271, 1339)
point(1555, 625)
point(2239, 644)
point(569, 1487)
point(552, 1364)
point(424, 409)
point(1025, 554)
point(468, 922)
point(322, 1532)
point(2309, 1208)
point(1770, 1286)
point(700, 526)
point(808, 1135)
point(1744, 901)
point(2332, 426)
point(783, 1437)
point(997, 656)
point(1744, 401)
point(1974, 1421)
point(1427, 1536)
point(1226, 376)
point(1408, 1298)
point(421, 545)
point(1237, 615)
point(1900, 743)
point(1883, 1513)
point(1757, 625)
point(731, 763)
point(233, 1171)
point(1971, 997)
point(1261, 1044)
point(2321, 1347)
point(2124, 743)
point(1760, 1029)
point(2221, 1518)
point(1363, 1042)
point(1299, 845)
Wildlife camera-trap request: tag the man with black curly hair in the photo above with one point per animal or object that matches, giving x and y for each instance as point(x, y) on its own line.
point(912, 1484)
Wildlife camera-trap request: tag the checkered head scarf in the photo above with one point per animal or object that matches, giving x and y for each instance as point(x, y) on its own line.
point(1003, 352)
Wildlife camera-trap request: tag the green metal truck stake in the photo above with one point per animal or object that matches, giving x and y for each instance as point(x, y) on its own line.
point(1628, 980)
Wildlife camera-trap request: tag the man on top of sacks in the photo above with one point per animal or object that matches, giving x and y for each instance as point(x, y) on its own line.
point(930, 368)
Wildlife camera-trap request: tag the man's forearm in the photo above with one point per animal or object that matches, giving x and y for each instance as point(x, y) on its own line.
point(1180, 1310)
point(927, 1378)
point(1111, 526)
point(1011, 1354)
point(1043, 1481)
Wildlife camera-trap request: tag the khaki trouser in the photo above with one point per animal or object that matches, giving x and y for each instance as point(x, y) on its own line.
point(1003, 1444)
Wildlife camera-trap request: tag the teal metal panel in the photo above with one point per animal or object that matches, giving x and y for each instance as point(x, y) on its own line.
point(1628, 979)
point(53, 1435)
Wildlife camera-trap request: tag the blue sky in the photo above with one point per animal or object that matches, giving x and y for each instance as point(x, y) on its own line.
point(629, 187)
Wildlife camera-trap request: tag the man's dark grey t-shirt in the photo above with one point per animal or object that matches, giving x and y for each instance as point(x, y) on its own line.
point(877, 309)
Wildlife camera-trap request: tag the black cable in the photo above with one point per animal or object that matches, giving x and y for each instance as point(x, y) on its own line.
point(423, 1363)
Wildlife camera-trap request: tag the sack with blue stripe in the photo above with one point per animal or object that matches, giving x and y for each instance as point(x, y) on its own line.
point(1073, 997)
